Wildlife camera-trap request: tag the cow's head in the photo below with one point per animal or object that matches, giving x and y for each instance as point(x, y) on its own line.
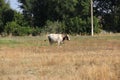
point(66, 37)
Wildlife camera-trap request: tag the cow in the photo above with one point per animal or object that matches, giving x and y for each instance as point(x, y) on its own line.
point(58, 38)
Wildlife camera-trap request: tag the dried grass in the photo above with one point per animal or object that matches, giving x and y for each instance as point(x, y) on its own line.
point(82, 58)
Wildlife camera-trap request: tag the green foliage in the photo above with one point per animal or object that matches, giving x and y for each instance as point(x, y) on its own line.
point(1, 25)
point(54, 10)
point(59, 16)
point(110, 12)
point(6, 14)
point(85, 5)
point(27, 6)
point(20, 19)
point(17, 30)
point(97, 27)
point(77, 25)
point(11, 27)
point(54, 27)
point(22, 31)
point(4, 5)
point(36, 31)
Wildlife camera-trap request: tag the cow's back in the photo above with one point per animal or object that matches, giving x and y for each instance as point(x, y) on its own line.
point(55, 37)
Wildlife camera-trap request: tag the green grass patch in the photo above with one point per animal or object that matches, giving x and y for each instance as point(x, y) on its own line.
point(2, 42)
point(38, 41)
point(8, 42)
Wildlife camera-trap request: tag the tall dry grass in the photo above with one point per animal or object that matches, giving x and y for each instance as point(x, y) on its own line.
point(82, 58)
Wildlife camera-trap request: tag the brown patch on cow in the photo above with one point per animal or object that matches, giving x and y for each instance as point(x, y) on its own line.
point(65, 37)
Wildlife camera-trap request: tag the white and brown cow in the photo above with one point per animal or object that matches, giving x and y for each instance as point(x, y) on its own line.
point(58, 38)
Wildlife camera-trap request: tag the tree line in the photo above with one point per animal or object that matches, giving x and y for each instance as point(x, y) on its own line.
point(59, 16)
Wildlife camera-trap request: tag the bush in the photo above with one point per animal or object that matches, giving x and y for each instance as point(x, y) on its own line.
point(77, 25)
point(36, 31)
point(22, 31)
point(97, 27)
point(12, 28)
point(54, 27)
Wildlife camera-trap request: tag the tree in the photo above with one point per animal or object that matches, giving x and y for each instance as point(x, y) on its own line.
point(109, 10)
point(27, 10)
point(6, 14)
point(40, 11)
point(48, 10)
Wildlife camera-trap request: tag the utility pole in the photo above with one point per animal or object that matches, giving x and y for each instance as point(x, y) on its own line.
point(92, 33)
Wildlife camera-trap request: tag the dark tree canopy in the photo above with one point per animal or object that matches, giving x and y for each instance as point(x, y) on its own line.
point(110, 12)
point(59, 16)
point(6, 14)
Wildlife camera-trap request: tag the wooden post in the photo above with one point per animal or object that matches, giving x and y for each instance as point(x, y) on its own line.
point(92, 33)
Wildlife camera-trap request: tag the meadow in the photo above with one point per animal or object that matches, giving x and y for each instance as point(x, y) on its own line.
point(81, 58)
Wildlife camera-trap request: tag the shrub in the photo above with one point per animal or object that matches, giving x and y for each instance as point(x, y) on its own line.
point(17, 30)
point(22, 31)
point(97, 27)
point(54, 27)
point(11, 27)
point(77, 25)
point(36, 31)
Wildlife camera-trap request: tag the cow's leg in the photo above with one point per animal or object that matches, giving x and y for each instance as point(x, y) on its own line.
point(50, 41)
point(59, 42)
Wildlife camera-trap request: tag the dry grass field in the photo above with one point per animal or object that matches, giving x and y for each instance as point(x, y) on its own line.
point(82, 58)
